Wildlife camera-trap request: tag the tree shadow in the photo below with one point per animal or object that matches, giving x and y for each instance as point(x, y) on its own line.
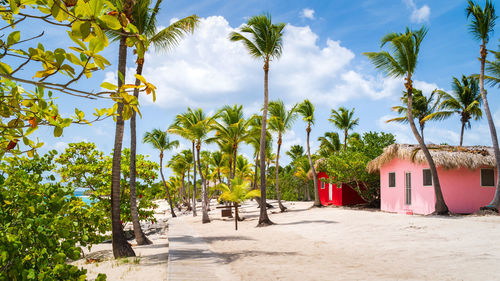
point(305, 222)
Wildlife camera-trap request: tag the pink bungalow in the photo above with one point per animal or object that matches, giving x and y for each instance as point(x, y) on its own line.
point(467, 176)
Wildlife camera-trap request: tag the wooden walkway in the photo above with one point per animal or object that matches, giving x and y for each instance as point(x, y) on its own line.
point(190, 257)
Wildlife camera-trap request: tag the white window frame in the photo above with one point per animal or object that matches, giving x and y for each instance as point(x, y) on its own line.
point(389, 181)
point(481, 178)
point(432, 182)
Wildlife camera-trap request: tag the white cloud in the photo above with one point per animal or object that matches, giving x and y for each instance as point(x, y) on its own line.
point(418, 15)
point(207, 70)
point(307, 13)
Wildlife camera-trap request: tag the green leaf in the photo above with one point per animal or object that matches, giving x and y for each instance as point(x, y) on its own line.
point(57, 131)
point(13, 6)
point(13, 38)
point(109, 86)
point(111, 22)
point(85, 29)
point(5, 68)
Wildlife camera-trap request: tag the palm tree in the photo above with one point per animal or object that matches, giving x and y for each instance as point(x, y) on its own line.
point(306, 110)
point(280, 121)
point(402, 62)
point(180, 166)
point(237, 192)
point(266, 41)
point(243, 168)
point(232, 129)
point(481, 27)
point(121, 248)
point(424, 109)
point(296, 151)
point(144, 18)
point(464, 100)
point(217, 162)
point(343, 120)
point(329, 144)
point(199, 127)
point(493, 69)
point(160, 141)
point(183, 126)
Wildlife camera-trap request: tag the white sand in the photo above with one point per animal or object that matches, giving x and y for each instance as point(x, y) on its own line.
point(344, 244)
point(329, 244)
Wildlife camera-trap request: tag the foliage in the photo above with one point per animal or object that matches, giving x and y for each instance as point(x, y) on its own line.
point(349, 166)
point(83, 166)
point(238, 192)
point(42, 222)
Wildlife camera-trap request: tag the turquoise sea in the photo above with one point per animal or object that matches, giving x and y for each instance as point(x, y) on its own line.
point(80, 193)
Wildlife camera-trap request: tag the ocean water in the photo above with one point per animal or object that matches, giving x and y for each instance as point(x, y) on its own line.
point(80, 193)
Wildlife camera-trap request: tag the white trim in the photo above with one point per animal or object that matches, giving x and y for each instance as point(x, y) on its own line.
point(432, 182)
point(481, 178)
point(389, 181)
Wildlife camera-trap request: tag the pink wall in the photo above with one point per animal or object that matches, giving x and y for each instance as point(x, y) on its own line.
point(461, 188)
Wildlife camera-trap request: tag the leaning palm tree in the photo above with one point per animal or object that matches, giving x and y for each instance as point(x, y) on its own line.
point(145, 18)
point(280, 121)
point(306, 110)
point(343, 120)
point(401, 61)
point(481, 27)
point(160, 141)
point(264, 41)
point(329, 144)
point(424, 109)
point(465, 100)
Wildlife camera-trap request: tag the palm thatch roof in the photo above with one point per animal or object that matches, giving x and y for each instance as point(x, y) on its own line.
point(445, 156)
point(317, 164)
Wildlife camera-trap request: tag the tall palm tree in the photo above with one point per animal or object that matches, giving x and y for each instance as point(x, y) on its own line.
point(145, 18)
point(329, 144)
point(160, 141)
point(401, 61)
point(121, 248)
point(231, 128)
point(264, 41)
point(217, 162)
point(465, 100)
point(280, 121)
point(424, 109)
point(343, 120)
point(493, 69)
point(179, 166)
point(183, 127)
point(306, 110)
point(243, 168)
point(481, 27)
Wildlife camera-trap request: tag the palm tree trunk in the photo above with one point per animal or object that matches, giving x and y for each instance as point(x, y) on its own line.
point(194, 182)
point(189, 191)
point(204, 211)
point(166, 188)
point(263, 217)
point(421, 131)
point(440, 207)
point(345, 140)
point(282, 208)
point(235, 153)
point(317, 203)
point(121, 248)
point(140, 238)
point(462, 133)
point(495, 203)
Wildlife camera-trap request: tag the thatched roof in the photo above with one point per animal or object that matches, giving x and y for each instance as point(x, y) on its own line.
point(445, 156)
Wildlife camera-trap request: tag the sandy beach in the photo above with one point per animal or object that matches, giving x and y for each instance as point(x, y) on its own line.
point(330, 243)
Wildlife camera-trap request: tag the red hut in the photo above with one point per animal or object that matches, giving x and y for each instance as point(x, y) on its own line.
point(330, 194)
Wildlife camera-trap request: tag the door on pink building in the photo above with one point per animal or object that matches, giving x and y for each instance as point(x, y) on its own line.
point(330, 192)
point(408, 188)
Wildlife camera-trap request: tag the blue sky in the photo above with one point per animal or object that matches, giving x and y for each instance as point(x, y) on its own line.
point(322, 60)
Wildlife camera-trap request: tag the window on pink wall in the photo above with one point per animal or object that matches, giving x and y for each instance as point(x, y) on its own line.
point(322, 185)
point(392, 179)
point(487, 177)
point(427, 177)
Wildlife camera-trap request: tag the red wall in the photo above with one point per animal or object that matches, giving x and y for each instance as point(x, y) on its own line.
point(342, 196)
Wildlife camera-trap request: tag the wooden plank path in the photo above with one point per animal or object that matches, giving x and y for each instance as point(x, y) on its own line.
point(190, 257)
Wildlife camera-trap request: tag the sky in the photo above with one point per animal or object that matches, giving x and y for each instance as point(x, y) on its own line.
point(322, 60)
